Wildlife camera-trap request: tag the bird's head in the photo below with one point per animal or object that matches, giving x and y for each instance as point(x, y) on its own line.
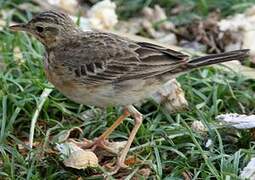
point(49, 27)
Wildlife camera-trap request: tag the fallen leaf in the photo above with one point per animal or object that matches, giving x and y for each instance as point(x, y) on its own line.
point(145, 172)
point(131, 26)
point(199, 127)
point(171, 97)
point(64, 135)
point(81, 159)
point(117, 146)
point(157, 14)
point(67, 148)
point(241, 27)
point(24, 148)
point(103, 15)
point(113, 149)
point(238, 121)
point(18, 57)
point(205, 32)
point(168, 39)
point(193, 45)
point(249, 170)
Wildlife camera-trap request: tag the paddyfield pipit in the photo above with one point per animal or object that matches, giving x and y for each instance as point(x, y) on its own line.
point(102, 69)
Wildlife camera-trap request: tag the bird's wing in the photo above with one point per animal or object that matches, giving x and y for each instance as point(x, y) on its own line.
point(99, 58)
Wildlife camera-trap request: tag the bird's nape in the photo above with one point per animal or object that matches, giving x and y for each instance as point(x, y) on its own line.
point(53, 17)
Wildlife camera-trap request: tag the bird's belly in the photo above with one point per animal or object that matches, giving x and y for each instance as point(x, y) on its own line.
point(107, 94)
point(101, 97)
point(120, 94)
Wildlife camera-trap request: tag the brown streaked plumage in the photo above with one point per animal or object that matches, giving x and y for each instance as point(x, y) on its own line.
point(101, 69)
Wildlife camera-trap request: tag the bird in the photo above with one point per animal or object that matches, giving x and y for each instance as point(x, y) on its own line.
point(104, 69)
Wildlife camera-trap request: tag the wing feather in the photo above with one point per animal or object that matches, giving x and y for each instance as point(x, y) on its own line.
point(100, 58)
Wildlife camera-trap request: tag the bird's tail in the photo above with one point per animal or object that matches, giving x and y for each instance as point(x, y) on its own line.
point(218, 58)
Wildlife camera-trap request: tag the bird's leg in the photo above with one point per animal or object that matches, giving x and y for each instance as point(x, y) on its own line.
point(101, 140)
point(138, 121)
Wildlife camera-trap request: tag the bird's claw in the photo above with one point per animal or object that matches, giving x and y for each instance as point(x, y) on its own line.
point(119, 166)
point(103, 144)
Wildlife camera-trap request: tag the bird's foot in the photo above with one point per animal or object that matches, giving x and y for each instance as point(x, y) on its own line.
point(118, 167)
point(97, 143)
point(103, 144)
point(105, 147)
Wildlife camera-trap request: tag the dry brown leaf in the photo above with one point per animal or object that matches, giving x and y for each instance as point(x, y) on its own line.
point(117, 146)
point(241, 28)
point(18, 57)
point(103, 15)
point(64, 135)
point(171, 97)
point(206, 31)
point(81, 159)
point(193, 45)
point(83, 144)
point(239, 121)
point(157, 14)
point(145, 172)
point(23, 148)
point(132, 26)
point(248, 171)
point(199, 127)
point(113, 149)
point(65, 149)
point(167, 39)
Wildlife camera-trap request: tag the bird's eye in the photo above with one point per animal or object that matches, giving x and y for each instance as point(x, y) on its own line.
point(39, 29)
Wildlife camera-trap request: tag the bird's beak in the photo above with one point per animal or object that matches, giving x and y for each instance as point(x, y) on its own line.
point(19, 27)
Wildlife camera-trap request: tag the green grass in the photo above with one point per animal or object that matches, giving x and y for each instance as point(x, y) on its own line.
point(165, 142)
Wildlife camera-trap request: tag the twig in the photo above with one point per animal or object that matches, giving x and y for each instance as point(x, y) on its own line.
point(39, 106)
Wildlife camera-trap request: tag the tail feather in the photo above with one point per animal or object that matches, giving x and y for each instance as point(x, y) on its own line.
point(218, 58)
